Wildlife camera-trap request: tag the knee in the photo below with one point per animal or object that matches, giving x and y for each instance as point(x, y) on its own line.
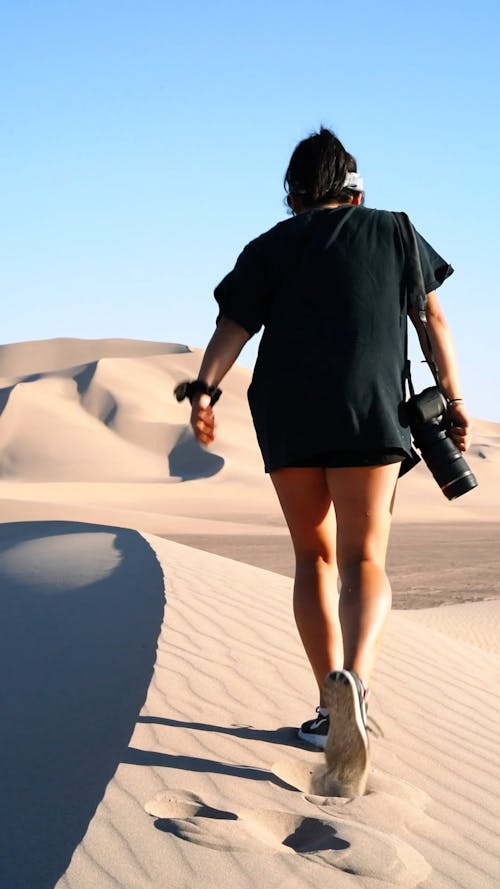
point(315, 559)
point(360, 563)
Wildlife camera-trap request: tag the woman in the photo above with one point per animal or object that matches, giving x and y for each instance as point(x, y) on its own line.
point(327, 399)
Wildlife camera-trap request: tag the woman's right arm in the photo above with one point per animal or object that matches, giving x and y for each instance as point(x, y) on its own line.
point(220, 355)
point(443, 352)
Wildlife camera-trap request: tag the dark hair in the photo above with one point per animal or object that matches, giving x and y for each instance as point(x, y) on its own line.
point(317, 170)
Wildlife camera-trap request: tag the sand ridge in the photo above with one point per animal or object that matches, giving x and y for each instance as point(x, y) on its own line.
point(227, 788)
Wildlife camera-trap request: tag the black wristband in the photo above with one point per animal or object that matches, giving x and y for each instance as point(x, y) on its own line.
point(190, 388)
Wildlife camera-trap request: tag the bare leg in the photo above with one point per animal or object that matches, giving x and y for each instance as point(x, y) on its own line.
point(307, 506)
point(363, 498)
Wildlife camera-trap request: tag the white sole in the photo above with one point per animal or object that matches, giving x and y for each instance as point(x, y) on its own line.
point(347, 748)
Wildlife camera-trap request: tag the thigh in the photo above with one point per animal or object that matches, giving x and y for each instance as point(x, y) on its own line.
point(363, 498)
point(307, 506)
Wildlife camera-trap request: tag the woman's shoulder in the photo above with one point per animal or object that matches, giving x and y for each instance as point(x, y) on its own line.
point(288, 231)
point(383, 217)
point(278, 236)
point(376, 225)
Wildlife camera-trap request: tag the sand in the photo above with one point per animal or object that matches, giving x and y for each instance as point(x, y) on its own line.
point(151, 690)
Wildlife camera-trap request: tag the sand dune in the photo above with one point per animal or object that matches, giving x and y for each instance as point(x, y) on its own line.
point(103, 412)
point(211, 786)
point(19, 360)
point(147, 747)
point(77, 651)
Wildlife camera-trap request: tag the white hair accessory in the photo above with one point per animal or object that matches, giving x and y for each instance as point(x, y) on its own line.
point(354, 181)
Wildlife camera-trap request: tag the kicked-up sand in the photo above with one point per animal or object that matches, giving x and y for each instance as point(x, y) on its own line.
point(151, 690)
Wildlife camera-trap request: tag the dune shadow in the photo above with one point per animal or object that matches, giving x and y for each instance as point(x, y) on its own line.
point(85, 376)
point(81, 608)
point(4, 397)
point(110, 413)
point(188, 460)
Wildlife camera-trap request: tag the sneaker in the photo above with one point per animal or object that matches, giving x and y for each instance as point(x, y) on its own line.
point(315, 731)
point(347, 751)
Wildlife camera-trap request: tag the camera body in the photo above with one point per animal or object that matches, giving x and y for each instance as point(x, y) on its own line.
point(428, 424)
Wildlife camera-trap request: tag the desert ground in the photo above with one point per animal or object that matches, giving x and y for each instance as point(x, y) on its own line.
point(152, 676)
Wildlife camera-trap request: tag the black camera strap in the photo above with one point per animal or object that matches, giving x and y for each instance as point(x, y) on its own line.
point(415, 287)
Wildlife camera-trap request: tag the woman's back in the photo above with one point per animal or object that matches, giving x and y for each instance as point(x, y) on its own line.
point(339, 288)
point(328, 285)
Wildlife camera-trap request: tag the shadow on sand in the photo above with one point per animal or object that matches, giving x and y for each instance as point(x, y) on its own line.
point(189, 460)
point(81, 608)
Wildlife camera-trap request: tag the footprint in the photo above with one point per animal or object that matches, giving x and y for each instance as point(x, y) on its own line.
point(185, 815)
point(288, 832)
point(183, 804)
point(338, 843)
point(392, 805)
point(222, 836)
point(341, 843)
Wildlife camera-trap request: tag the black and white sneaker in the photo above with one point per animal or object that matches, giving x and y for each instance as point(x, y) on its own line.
point(347, 751)
point(315, 731)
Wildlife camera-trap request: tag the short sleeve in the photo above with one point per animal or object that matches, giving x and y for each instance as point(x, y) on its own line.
point(435, 269)
point(244, 294)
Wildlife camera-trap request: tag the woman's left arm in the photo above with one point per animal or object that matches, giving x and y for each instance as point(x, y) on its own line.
point(444, 355)
point(221, 353)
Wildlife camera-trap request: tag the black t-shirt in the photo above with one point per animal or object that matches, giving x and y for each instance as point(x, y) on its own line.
point(328, 286)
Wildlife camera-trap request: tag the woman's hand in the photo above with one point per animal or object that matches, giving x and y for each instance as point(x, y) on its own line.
point(460, 426)
point(203, 419)
point(221, 353)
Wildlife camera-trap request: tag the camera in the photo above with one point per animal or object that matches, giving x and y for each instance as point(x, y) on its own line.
point(429, 428)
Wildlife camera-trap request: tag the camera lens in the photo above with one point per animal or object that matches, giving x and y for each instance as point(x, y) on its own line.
point(427, 418)
point(460, 486)
point(448, 467)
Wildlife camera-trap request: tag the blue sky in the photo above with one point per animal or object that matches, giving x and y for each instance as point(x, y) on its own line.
point(143, 144)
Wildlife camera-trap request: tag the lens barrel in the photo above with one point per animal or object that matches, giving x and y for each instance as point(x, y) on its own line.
point(445, 461)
